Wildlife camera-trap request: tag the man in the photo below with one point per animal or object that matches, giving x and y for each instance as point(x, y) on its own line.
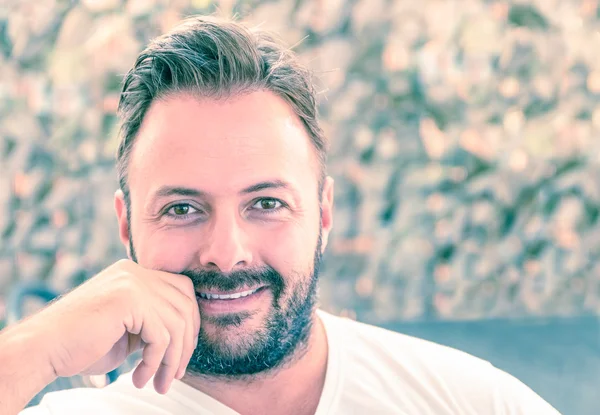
point(225, 209)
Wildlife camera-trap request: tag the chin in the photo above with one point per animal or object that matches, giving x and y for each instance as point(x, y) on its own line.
point(232, 328)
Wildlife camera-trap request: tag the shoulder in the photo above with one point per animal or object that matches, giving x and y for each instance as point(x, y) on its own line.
point(416, 373)
point(389, 347)
point(120, 397)
point(73, 401)
point(123, 398)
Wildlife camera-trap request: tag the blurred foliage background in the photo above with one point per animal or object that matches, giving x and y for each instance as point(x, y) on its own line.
point(463, 138)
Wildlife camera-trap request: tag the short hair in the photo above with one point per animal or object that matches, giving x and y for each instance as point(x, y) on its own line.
point(215, 58)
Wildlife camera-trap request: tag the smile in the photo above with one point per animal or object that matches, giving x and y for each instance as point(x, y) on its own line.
point(233, 296)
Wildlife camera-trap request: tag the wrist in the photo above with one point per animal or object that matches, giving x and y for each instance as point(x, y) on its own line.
point(30, 350)
point(24, 367)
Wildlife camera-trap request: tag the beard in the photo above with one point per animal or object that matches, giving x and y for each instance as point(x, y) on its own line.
point(280, 338)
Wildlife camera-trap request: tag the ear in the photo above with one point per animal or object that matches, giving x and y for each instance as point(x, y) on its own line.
point(121, 210)
point(326, 211)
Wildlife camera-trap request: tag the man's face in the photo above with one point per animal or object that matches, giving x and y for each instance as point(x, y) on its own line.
point(227, 193)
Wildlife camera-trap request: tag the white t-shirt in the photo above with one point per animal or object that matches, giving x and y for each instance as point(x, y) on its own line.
point(369, 371)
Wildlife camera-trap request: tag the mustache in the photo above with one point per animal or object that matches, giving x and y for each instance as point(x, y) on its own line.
point(215, 280)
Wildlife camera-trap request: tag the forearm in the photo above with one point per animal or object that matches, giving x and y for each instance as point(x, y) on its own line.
point(23, 369)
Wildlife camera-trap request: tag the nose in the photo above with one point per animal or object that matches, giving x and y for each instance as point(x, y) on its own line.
point(225, 245)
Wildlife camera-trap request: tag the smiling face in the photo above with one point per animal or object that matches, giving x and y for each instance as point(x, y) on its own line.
point(227, 193)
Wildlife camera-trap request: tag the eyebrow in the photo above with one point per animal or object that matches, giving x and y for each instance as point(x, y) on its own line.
point(166, 191)
point(274, 184)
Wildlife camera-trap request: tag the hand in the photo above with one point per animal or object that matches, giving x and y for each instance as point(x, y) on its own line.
point(93, 329)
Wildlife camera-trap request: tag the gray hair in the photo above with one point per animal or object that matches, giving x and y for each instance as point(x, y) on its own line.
point(214, 58)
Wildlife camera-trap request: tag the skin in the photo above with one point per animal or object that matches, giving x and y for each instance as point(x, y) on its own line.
point(219, 150)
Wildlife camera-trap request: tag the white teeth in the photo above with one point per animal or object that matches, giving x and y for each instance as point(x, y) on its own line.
point(210, 296)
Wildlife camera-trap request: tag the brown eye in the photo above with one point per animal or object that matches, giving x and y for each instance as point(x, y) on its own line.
point(181, 210)
point(267, 204)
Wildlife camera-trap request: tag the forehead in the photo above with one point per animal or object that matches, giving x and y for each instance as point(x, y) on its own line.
point(221, 145)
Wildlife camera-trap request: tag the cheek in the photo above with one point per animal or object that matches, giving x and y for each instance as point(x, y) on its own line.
point(289, 249)
point(171, 250)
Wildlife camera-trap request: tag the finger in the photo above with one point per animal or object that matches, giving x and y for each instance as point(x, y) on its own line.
point(156, 338)
point(189, 343)
point(186, 286)
point(196, 319)
point(175, 322)
point(181, 282)
point(187, 304)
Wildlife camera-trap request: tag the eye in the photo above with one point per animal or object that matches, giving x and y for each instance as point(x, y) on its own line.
point(267, 204)
point(181, 210)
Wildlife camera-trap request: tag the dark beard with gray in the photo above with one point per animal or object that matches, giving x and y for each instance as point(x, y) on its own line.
point(281, 338)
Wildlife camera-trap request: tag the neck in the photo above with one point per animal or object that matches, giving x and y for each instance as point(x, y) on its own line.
point(302, 379)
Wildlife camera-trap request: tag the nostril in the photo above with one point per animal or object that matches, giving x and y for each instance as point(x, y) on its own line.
point(225, 269)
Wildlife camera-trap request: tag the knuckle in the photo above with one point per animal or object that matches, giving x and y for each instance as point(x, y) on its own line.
point(123, 264)
point(187, 285)
point(125, 285)
point(155, 363)
point(179, 325)
point(152, 360)
point(182, 309)
point(188, 305)
point(162, 338)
